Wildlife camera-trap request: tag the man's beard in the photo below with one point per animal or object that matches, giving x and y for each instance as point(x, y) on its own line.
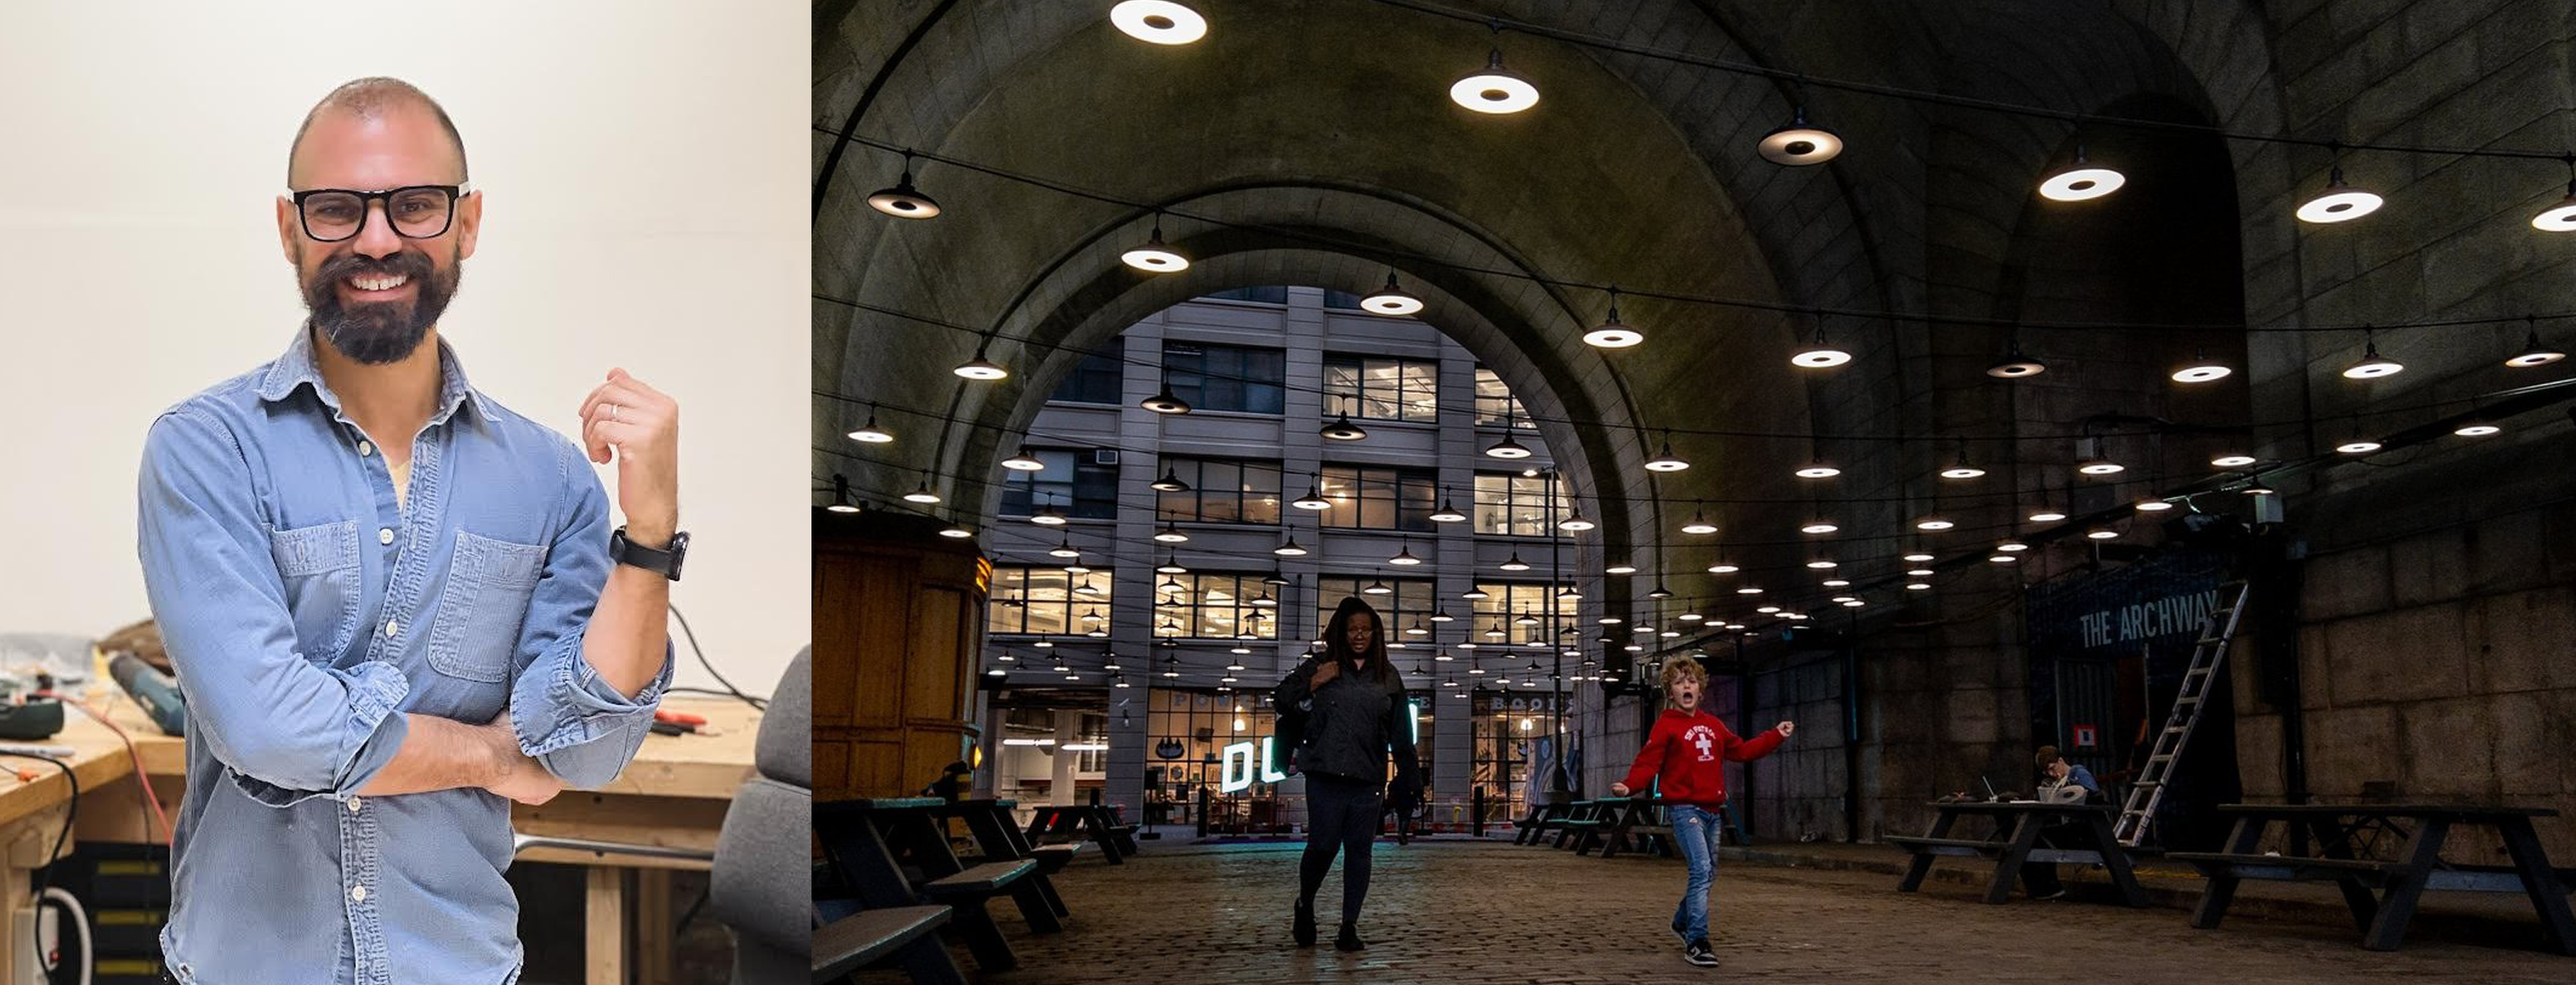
point(377, 332)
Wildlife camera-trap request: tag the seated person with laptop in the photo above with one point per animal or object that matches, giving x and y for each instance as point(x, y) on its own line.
point(2060, 783)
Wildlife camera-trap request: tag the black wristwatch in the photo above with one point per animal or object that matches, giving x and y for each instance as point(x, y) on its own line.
point(664, 562)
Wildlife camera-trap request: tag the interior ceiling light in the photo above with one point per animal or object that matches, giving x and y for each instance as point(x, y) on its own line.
point(2081, 180)
point(1919, 573)
point(1918, 586)
point(870, 434)
point(1390, 300)
point(1064, 549)
point(921, 493)
point(1699, 524)
point(1506, 448)
point(1821, 564)
point(2152, 504)
point(1163, 402)
point(2372, 365)
point(2339, 202)
point(2012, 547)
point(2477, 428)
point(841, 495)
point(1514, 563)
point(2232, 461)
point(1836, 582)
point(1404, 557)
point(1154, 257)
point(1933, 523)
point(1312, 500)
point(2102, 533)
point(1621, 568)
point(2001, 559)
point(1819, 527)
point(1494, 89)
point(1611, 333)
point(1170, 482)
point(1820, 354)
point(1819, 470)
point(2014, 365)
point(2201, 369)
point(980, 368)
point(904, 201)
point(2046, 516)
point(1575, 522)
point(1800, 142)
point(2358, 446)
point(1748, 590)
point(1171, 535)
point(1690, 617)
point(1025, 462)
point(1158, 21)
point(1918, 557)
point(1722, 568)
point(1343, 430)
point(2533, 352)
point(1666, 461)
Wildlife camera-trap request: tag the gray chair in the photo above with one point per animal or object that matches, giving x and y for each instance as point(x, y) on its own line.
point(761, 886)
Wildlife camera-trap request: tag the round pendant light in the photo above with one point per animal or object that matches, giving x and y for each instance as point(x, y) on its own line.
point(1494, 89)
point(1800, 143)
point(2372, 365)
point(1047, 516)
point(904, 201)
point(1170, 482)
point(1064, 549)
point(1170, 534)
point(1933, 523)
point(2153, 504)
point(1446, 513)
point(1819, 354)
point(1377, 588)
point(2081, 180)
point(2534, 353)
point(1611, 333)
point(1154, 257)
point(1343, 430)
point(1818, 470)
point(1390, 300)
point(2477, 428)
point(2358, 446)
point(1918, 557)
point(2046, 516)
point(1158, 21)
point(921, 493)
point(1514, 563)
point(1170, 566)
point(2014, 365)
point(1918, 586)
point(980, 368)
point(1404, 557)
point(2201, 369)
point(1722, 568)
point(2339, 202)
point(2102, 533)
point(1659, 592)
point(1474, 594)
point(1024, 462)
point(2232, 461)
point(1819, 527)
point(1962, 470)
point(1699, 525)
point(1574, 521)
point(1163, 402)
point(1506, 448)
point(1666, 461)
point(1312, 500)
point(869, 433)
point(841, 495)
point(2099, 466)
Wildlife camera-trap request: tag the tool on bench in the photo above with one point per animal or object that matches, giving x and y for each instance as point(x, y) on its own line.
point(679, 723)
point(31, 713)
point(153, 690)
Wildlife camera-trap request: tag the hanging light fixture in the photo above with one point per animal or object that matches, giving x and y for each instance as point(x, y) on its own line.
point(1446, 513)
point(1620, 568)
point(2232, 461)
point(1170, 566)
point(904, 201)
point(979, 368)
point(1659, 592)
point(2372, 365)
point(1819, 470)
point(1343, 430)
point(1918, 557)
point(2091, 461)
point(1514, 563)
point(2201, 369)
point(2339, 202)
point(1475, 593)
point(2153, 504)
point(956, 530)
point(1494, 89)
point(2561, 217)
point(1574, 521)
point(841, 495)
point(2102, 533)
point(1611, 333)
point(1289, 548)
point(1390, 300)
point(1164, 402)
point(1170, 482)
point(1699, 524)
point(1404, 556)
point(1666, 461)
point(2047, 515)
point(1933, 523)
point(921, 493)
point(1171, 534)
point(2358, 446)
point(869, 433)
point(1962, 470)
point(1819, 527)
point(1569, 593)
point(1820, 354)
point(1442, 615)
point(1314, 498)
point(1154, 257)
point(1506, 448)
point(2533, 352)
point(1158, 21)
point(2014, 365)
point(2477, 427)
point(1800, 142)
point(1722, 567)
point(1064, 549)
point(2081, 180)
point(1377, 588)
point(1024, 462)
point(1275, 577)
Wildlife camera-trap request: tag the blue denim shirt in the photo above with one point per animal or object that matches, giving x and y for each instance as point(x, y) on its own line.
point(304, 611)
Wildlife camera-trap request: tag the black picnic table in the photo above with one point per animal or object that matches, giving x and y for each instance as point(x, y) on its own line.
point(1624, 818)
point(2347, 839)
point(1099, 822)
point(2015, 841)
point(878, 845)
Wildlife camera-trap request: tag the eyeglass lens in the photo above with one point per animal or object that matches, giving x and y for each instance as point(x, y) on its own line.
point(414, 212)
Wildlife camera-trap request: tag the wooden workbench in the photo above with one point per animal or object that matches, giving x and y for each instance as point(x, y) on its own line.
point(673, 794)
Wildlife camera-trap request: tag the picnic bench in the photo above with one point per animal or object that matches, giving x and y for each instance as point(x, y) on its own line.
point(894, 852)
point(997, 839)
point(1057, 823)
point(904, 935)
point(2348, 839)
point(1580, 823)
point(1541, 817)
point(2015, 841)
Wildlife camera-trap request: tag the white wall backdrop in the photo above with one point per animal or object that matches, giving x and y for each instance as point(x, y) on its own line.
point(645, 178)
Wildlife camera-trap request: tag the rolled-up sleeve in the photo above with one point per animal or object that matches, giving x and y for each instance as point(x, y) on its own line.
point(287, 728)
point(567, 718)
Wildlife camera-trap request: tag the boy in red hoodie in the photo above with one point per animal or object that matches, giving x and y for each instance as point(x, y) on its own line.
point(1689, 749)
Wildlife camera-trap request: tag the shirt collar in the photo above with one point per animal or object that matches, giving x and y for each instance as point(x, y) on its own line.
point(299, 366)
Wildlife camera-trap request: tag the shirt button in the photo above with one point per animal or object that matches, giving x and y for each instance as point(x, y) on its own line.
point(393, 627)
point(355, 803)
point(385, 535)
point(365, 449)
point(358, 894)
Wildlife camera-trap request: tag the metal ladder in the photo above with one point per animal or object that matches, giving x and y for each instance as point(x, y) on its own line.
point(2206, 655)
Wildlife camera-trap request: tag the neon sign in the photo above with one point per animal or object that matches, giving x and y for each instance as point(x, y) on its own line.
point(1237, 772)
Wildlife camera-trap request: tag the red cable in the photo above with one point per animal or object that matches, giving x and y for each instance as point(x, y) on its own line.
point(140, 775)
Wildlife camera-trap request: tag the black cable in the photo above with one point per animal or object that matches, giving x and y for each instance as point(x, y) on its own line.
point(758, 703)
point(692, 912)
point(71, 813)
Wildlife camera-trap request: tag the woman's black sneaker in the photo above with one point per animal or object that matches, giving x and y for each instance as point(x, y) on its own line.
point(1697, 952)
point(1349, 939)
point(1304, 928)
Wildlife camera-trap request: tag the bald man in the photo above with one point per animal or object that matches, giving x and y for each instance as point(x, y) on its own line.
point(395, 606)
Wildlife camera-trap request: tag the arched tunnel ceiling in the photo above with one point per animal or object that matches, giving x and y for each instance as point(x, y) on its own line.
point(1324, 123)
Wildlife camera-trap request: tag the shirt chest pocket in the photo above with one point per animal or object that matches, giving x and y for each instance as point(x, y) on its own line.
point(319, 568)
point(489, 583)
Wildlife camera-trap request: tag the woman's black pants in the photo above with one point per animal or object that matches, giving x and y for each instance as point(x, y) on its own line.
point(1341, 816)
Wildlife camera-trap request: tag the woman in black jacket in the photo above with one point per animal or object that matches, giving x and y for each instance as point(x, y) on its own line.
point(1353, 703)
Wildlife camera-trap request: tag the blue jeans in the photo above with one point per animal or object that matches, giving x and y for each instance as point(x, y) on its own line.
point(1695, 830)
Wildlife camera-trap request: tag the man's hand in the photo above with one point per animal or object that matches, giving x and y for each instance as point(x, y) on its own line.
point(514, 775)
point(1618, 790)
point(642, 425)
point(1325, 670)
point(1786, 728)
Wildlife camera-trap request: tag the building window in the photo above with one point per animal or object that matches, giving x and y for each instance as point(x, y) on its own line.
point(1076, 482)
point(1496, 405)
point(1047, 601)
point(1511, 505)
point(1511, 730)
point(1378, 498)
point(1189, 730)
point(1255, 295)
point(1214, 606)
point(1341, 299)
point(1225, 377)
point(1499, 616)
point(1222, 491)
point(1095, 379)
point(1381, 389)
point(1409, 605)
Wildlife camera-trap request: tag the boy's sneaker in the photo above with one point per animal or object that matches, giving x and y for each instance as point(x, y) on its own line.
point(1697, 952)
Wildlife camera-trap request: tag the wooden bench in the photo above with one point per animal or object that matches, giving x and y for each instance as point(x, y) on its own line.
point(895, 853)
point(2346, 834)
point(907, 936)
point(2015, 842)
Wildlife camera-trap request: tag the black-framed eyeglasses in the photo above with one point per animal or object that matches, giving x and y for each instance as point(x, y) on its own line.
point(330, 215)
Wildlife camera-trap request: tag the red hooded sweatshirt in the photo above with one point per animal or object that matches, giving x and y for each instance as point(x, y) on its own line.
point(1690, 750)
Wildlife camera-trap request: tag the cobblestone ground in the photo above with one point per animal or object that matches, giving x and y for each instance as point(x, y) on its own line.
point(1485, 912)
